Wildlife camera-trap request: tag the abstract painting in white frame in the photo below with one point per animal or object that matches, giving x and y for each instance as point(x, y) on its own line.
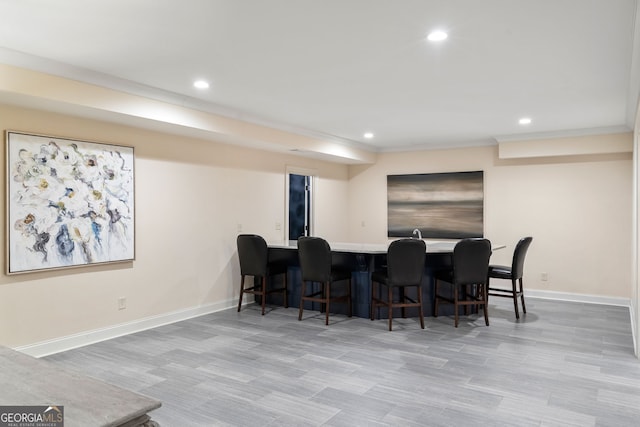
point(69, 203)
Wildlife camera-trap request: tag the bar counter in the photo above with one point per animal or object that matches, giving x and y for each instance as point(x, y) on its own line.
point(362, 259)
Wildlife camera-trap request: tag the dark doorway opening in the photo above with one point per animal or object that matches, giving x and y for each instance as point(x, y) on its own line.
point(299, 206)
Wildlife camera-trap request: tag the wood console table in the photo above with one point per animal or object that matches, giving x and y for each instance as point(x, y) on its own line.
point(25, 380)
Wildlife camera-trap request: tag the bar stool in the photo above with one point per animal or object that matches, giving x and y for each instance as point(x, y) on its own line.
point(254, 261)
point(405, 268)
point(316, 267)
point(469, 274)
point(513, 273)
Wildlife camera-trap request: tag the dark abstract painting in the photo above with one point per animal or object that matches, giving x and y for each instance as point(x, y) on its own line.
point(440, 205)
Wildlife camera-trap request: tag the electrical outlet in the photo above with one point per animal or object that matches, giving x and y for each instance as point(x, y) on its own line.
point(544, 277)
point(239, 228)
point(278, 226)
point(122, 303)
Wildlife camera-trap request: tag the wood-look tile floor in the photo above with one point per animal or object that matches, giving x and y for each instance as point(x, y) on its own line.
point(562, 364)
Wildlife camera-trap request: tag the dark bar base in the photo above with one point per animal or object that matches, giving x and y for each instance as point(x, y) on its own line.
point(362, 265)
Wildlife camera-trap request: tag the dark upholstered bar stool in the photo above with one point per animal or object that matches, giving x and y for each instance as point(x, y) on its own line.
point(513, 273)
point(468, 275)
point(254, 261)
point(405, 268)
point(316, 267)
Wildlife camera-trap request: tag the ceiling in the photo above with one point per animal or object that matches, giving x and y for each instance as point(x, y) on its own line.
point(340, 68)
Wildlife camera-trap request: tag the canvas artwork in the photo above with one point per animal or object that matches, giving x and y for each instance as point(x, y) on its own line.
point(440, 205)
point(70, 203)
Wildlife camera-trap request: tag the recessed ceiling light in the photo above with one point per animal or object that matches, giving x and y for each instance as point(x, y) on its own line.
point(368, 135)
point(524, 121)
point(201, 84)
point(437, 36)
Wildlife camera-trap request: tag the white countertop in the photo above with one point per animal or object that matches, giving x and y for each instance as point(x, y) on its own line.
point(377, 248)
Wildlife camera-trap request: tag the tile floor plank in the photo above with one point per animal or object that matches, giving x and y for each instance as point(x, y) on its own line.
point(561, 364)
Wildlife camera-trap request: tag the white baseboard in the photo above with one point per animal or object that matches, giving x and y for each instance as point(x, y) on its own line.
point(584, 298)
point(81, 339)
point(634, 330)
point(591, 299)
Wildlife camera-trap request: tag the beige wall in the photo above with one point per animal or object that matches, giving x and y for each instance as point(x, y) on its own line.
point(578, 210)
point(192, 194)
point(190, 197)
point(635, 297)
